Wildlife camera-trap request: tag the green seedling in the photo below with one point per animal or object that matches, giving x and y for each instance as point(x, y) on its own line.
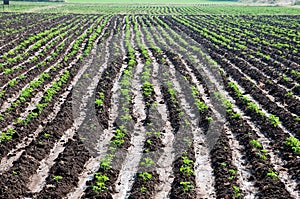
point(236, 192)
point(100, 185)
point(294, 143)
point(274, 120)
point(272, 174)
point(145, 175)
point(143, 189)
point(186, 186)
point(57, 178)
point(233, 174)
point(147, 162)
point(256, 144)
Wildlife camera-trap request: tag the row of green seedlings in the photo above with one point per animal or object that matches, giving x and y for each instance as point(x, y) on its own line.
point(291, 96)
point(170, 36)
point(274, 120)
point(48, 96)
point(257, 148)
point(8, 30)
point(39, 39)
point(90, 35)
point(205, 116)
point(34, 84)
point(248, 32)
point(138, 40)
point(148, 36)
point(228, 170)
point(175, 36)
point(35, 26)
point(57, 34)
point(187, 166)
point(12, 83)
point(75, 48)
point(55, 53)
point(146, 24)
point(293, 72)
point(237, 46)
point(102, 179)
point(251, 31)
point(202, 107)
point(290, 141)
point(152, 134)
point(260, 152)
point(58, 50)
point(55, 88)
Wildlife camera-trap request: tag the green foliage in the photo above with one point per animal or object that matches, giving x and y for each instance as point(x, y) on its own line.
point(100, 185)
point(294, 143)
point(145, 175)
point(201, 105)
point(143, 189)
point(148, 89)
point(147, 162)
point(187, 167)
point(274, 120)
point(5, 136)
point(236, 191)
point(99, 102)
point(232, 174)
point(272, 174)
point(256, 144)
point(57, 178)
point(105, 163)
point(186, 186)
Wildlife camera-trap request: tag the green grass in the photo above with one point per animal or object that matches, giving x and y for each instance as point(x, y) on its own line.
point(147, 7)
point(143, 2)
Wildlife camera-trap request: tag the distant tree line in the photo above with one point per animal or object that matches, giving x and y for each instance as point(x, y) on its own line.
point(41, 0)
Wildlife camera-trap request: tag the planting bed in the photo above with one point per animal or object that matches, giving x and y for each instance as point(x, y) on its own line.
point(149, 106)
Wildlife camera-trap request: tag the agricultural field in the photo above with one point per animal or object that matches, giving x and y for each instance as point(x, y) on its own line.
point(179, 102)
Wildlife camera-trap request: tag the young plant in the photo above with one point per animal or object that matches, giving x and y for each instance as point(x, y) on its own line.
point(148, 89)
point(236, 192)
point(187, 167)
point(233, 174)
point(145, 175)
point(186, 186)
point(147, 162)
point(143, 189)
point(57, 178)
point(256, 144)
point(274, 120)
point(272, 174)
point(106, 162)
point(294, 143)
point(100, 183)
point(99, 102)
point(201, 105)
